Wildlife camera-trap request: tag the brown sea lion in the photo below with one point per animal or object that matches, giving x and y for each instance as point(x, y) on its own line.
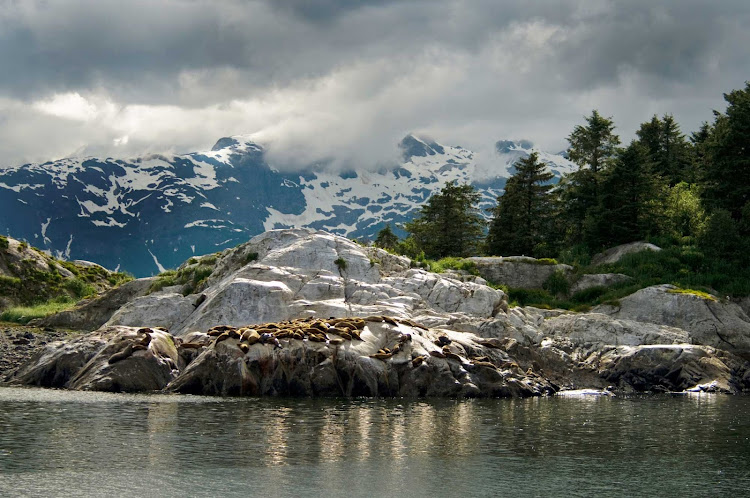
point(223, 337)
point(390, 320)
point(243, 347)
point(381, 356)
point(437, 354)
point(415, 362)
point(191, 345)
point(139, 347)
point(125, 353)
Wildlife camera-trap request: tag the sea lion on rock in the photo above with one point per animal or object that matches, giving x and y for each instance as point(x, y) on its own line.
point(335, 342)
point(437, 354)
point(125, 353)
point(223, 337)
point(381, 356)
point(373, 318)
point(199, 301)
point(243, 347)
point(139, 347)
point(388, 319)
point(415, 362)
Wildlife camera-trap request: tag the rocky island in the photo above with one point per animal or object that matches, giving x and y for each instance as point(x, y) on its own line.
point(306, 313)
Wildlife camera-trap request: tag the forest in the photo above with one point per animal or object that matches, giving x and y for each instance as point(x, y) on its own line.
point(688, 194)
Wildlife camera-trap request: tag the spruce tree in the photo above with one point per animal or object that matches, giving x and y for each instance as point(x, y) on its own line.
point(593, 148)
point(386, 239)
point(668, 151)
point(519, 220)
point(450, 223)
point(727, 150)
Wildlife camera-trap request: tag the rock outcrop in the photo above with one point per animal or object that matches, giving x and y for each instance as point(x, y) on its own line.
point(518, 271)
point(614, 254)
point(707, 320)
point(299, 312)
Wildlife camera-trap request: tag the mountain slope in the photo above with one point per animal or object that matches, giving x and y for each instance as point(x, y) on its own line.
point(149, 213)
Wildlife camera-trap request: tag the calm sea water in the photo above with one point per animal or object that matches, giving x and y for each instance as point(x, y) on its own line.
point(60, 443)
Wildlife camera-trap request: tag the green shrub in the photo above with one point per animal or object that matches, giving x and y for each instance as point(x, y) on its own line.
point(452, 263)
point(701, 294)
point(557, 283)
point(341, 263)
point(4, 242)
point(250, 257)
point(589, 295)
point(545, 261)
point(79, 288)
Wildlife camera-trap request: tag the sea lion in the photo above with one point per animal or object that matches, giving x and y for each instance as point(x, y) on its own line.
point(485, 364)
point(415, 362)
point(144, 330)
point(373, 318)
point(125, 353)
point(146, 340)
point(388, 319)
point(335, 342)
point(450, 354)
point(223, 337)
point(381, 356)
point(243, 347)
point(139, 347)
point(404, 338)
point(437, 354)
point(163, 329)
point(191, 345)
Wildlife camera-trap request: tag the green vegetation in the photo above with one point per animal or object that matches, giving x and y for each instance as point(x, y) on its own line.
point(449, 224)
point(452, 263)
point(694, 292)
point(557, 283)
point(24, 314)
point(4, 242)
point(192, 278)
point(250, 257)
point(341, 263)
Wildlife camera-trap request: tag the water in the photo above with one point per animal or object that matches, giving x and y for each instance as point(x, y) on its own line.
point(60, 443)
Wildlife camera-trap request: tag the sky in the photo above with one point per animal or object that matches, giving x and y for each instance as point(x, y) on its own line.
point(312, 80)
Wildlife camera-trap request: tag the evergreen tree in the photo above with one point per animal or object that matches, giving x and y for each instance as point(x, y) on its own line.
point(668, 151)
point(519, 220)
point(727, 150)
point(631, 200)
point(386, 239)
point(450, 223)
point(593, 148)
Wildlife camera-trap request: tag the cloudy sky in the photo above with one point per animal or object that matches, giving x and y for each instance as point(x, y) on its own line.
point(348, 78)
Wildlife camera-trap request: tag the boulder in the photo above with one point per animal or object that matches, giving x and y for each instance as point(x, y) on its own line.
point(614, 254)
point(598, 280)
point(518, 271)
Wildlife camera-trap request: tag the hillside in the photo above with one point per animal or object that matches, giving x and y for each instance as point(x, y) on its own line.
point(150, 213)
point(30, 278)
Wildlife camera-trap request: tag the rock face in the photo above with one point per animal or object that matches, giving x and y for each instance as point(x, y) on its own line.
point(419, 334)
point(299, 273)
point(710, 322)
point(614, 254)
point(518, 271)
point(598, 280)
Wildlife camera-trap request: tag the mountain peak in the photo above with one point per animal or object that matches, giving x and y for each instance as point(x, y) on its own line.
point(413, 146)
point(505, 146)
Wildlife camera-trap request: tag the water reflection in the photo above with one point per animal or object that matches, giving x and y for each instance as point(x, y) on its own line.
point(285, 446)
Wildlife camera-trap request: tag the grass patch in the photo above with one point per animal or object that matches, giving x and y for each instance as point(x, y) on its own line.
point(4, 242)
point(544, 261)
point(24, 314)
point(452, 263)
point(191, 278)
point(250, 257)
point(341, 263)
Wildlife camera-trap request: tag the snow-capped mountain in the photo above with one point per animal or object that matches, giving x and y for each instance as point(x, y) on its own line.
point(149, 213)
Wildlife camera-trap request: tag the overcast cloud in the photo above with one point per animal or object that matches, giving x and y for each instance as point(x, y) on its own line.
point(314, 79)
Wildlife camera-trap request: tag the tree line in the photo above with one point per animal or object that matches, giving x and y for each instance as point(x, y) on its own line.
point(663, 186)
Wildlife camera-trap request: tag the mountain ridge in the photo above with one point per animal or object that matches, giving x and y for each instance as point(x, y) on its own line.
point(149, 213)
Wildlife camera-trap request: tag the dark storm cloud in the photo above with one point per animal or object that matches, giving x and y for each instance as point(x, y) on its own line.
point(320, 76)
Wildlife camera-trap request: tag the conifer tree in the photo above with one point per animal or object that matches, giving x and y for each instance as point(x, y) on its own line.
point(450, 223)
point(519, 220)
point(593, 148)
point(386, 239)
point(669, 153)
